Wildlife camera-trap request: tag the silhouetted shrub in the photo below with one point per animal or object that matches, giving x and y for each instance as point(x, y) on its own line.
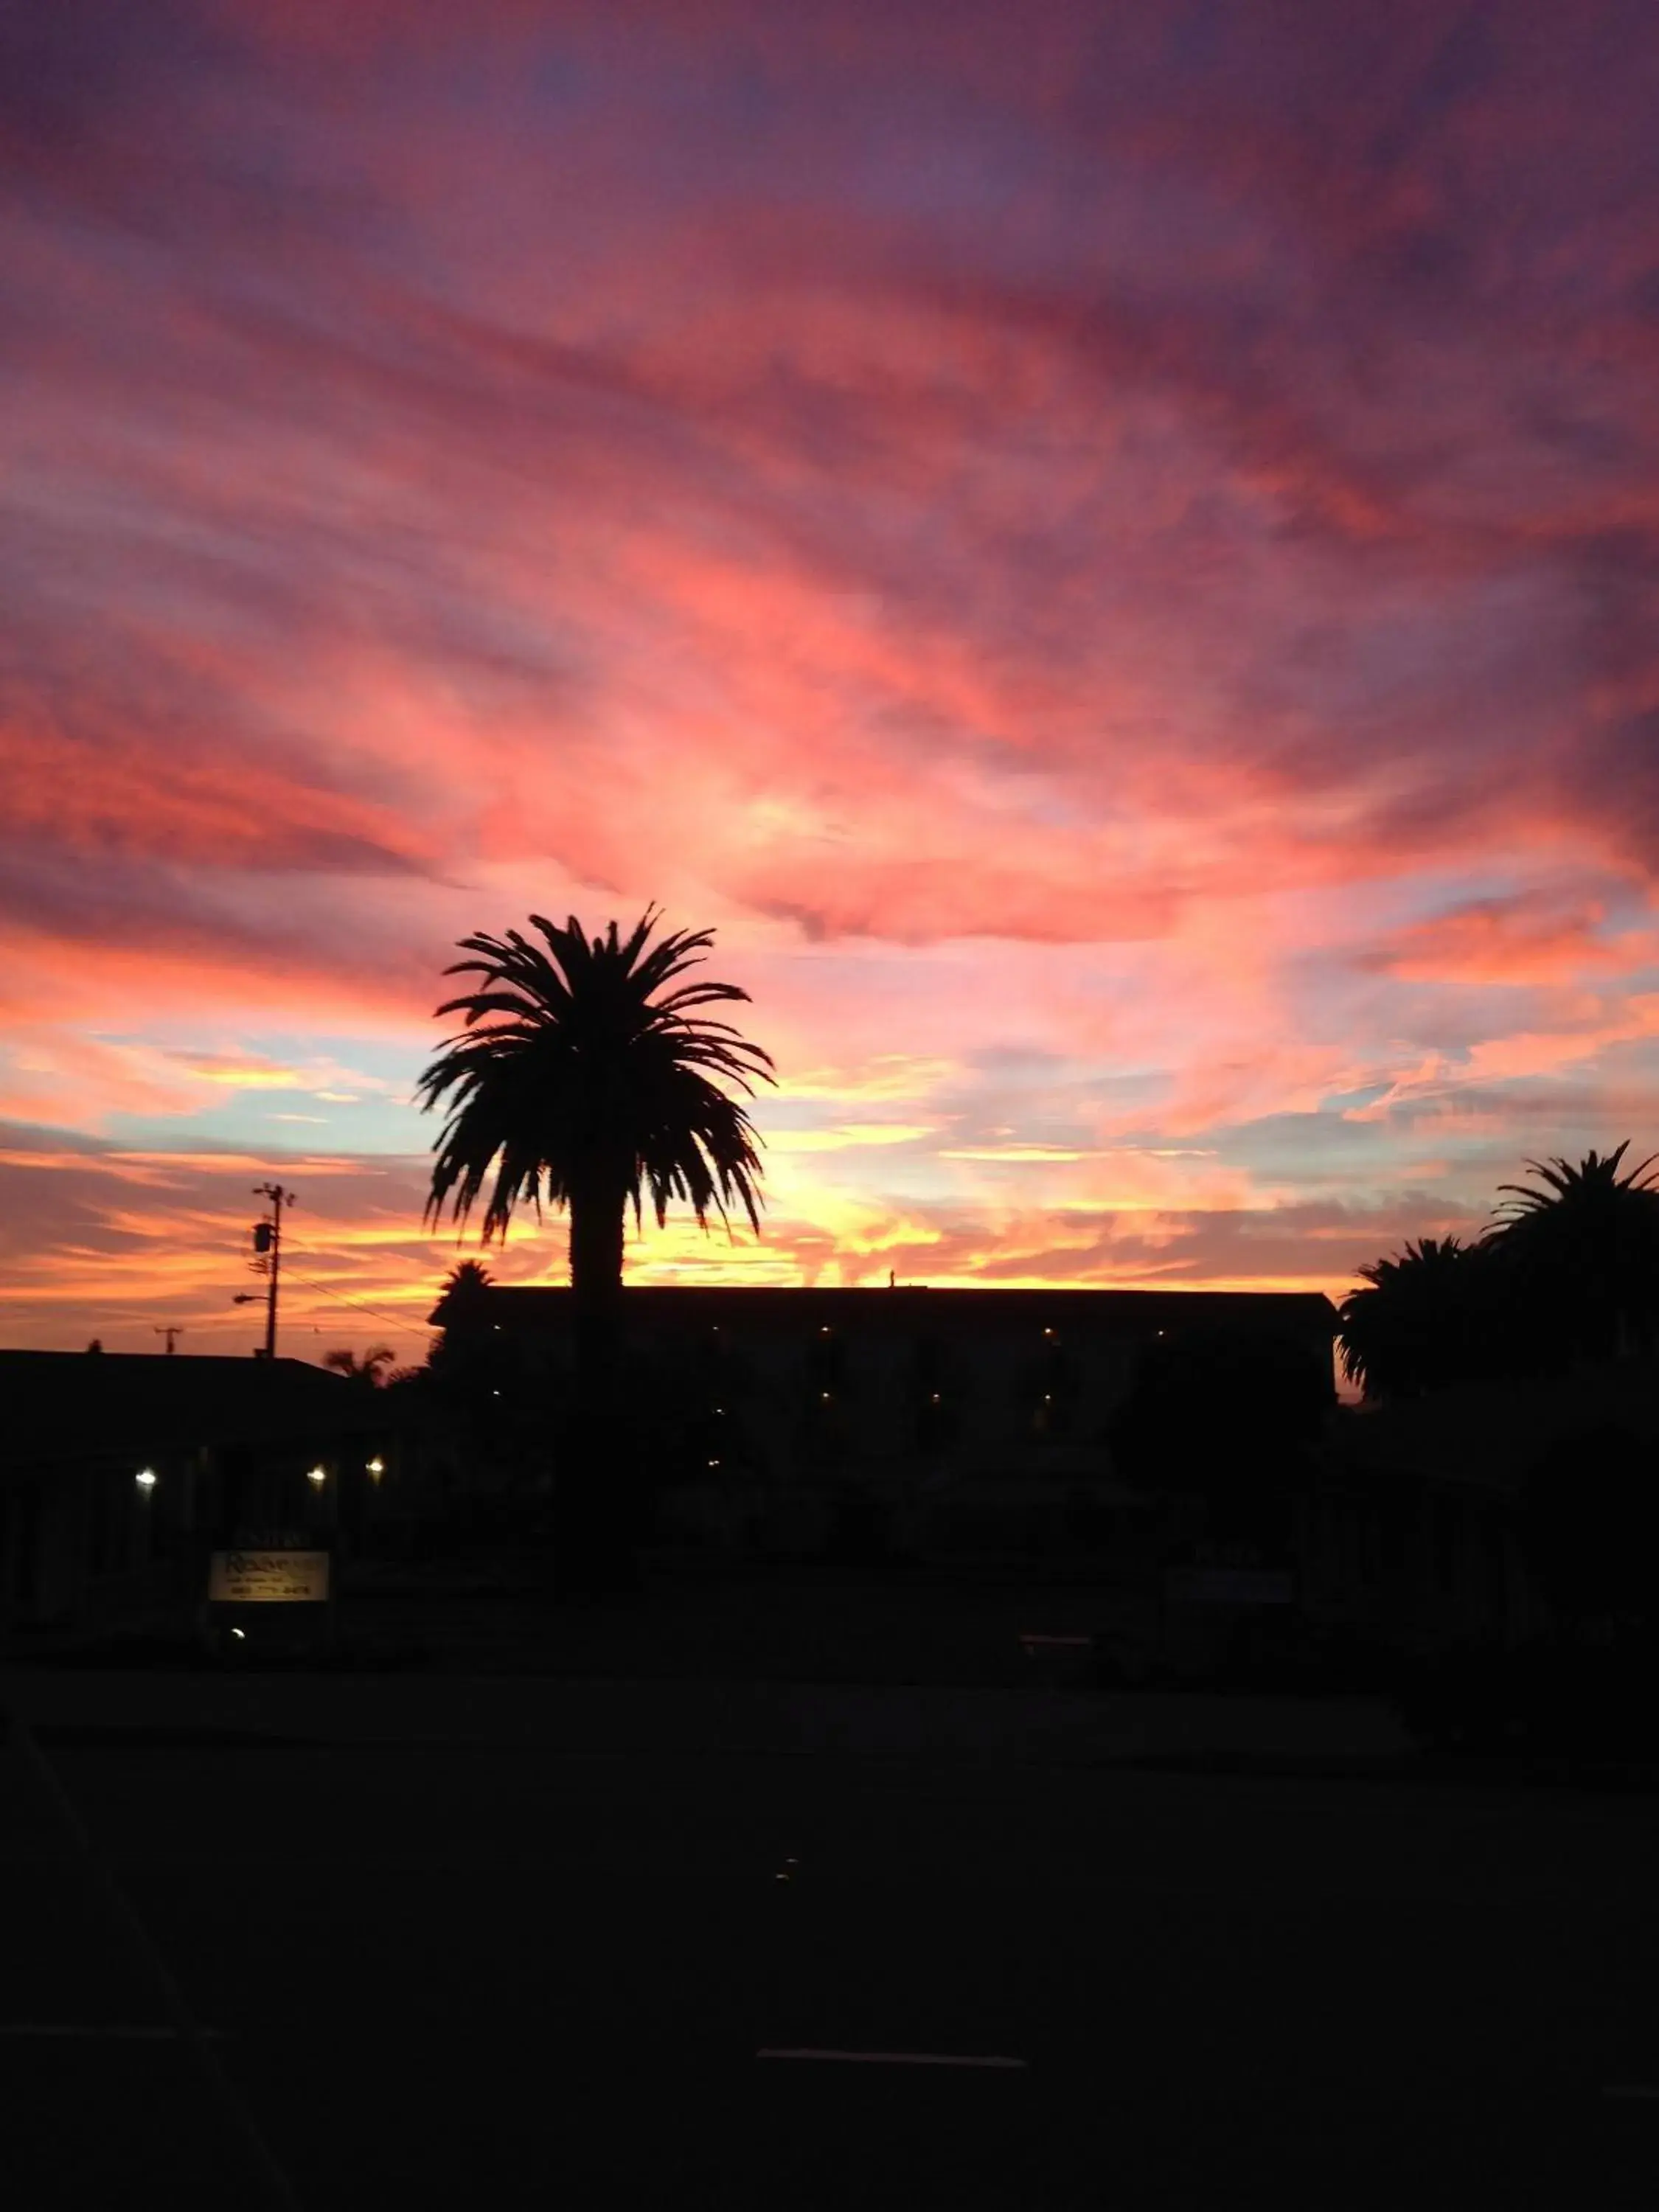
point(1276, 1648)
point(1592, 1526)
point(1568, 1696)
point(859, 1531)
point(1464, 1699)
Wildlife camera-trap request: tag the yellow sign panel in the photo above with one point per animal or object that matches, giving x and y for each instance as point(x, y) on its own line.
point(268, 1578)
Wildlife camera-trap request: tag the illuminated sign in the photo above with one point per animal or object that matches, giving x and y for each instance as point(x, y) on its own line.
point(267, 1577)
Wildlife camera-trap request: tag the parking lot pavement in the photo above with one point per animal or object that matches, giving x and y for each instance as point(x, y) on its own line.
point(499, 1972)
point(734, 1715)
point(104, 2102)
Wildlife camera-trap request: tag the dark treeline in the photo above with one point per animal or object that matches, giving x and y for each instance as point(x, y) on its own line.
point(1566, 1275)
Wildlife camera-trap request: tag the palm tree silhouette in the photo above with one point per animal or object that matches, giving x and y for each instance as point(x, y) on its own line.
point(1422, 1321)
point(1584, 1249)
point(460, 1298)
point(572, 1081)
point(581, 1079)
point(469, 1361)
point(366, 1370)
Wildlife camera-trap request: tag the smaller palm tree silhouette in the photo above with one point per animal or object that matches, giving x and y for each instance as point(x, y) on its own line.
point(369, 1369)
point(1416, 1324)
point(1583, 1243)
point(461, 1297)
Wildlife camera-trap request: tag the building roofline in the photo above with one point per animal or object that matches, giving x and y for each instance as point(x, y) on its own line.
point(870, 1296)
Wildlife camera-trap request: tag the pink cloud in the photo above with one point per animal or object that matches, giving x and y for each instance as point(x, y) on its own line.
point(1115, 560)
point(1529, 939)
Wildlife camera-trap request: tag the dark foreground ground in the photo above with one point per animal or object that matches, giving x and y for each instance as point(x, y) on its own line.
point(479, 1940)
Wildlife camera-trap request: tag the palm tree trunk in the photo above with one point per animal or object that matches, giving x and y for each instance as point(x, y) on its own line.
point(595, 1479)
point(597, 1213)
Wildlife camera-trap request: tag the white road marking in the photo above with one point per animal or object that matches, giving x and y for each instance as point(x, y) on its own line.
point(897, 2059)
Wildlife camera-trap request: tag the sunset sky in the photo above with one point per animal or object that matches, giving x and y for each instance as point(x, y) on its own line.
point(1111, 552)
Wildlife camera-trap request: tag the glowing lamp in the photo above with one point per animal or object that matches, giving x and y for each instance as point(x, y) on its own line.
point(317, 1476)
point(145, 1479)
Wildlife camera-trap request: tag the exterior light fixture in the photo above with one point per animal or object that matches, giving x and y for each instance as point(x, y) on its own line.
point(714, 1462)
point(376, 1467)
point(825, 1330)
point(240, 1634)
point(1047, 1332)
point(936, 1397)
point(1047, 1397)
point(317, 1475)
point(145, 1479)
point(826, 1398)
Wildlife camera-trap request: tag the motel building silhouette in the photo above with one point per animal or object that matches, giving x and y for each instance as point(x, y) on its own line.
point(760, 1407)
point(905, 1426)
point(977, 1427)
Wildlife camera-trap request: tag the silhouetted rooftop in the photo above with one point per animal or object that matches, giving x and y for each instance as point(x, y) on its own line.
point(917, 1306)
point(66, 1405)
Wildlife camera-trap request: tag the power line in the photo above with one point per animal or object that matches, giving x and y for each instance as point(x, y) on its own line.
point(399, 1320)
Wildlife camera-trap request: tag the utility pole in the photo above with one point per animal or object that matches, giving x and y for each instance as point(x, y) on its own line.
point(268, 1239)
point(172, 1330)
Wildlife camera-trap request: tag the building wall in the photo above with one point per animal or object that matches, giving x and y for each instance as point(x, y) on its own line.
point(760, 1409)
point(83, 1544)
